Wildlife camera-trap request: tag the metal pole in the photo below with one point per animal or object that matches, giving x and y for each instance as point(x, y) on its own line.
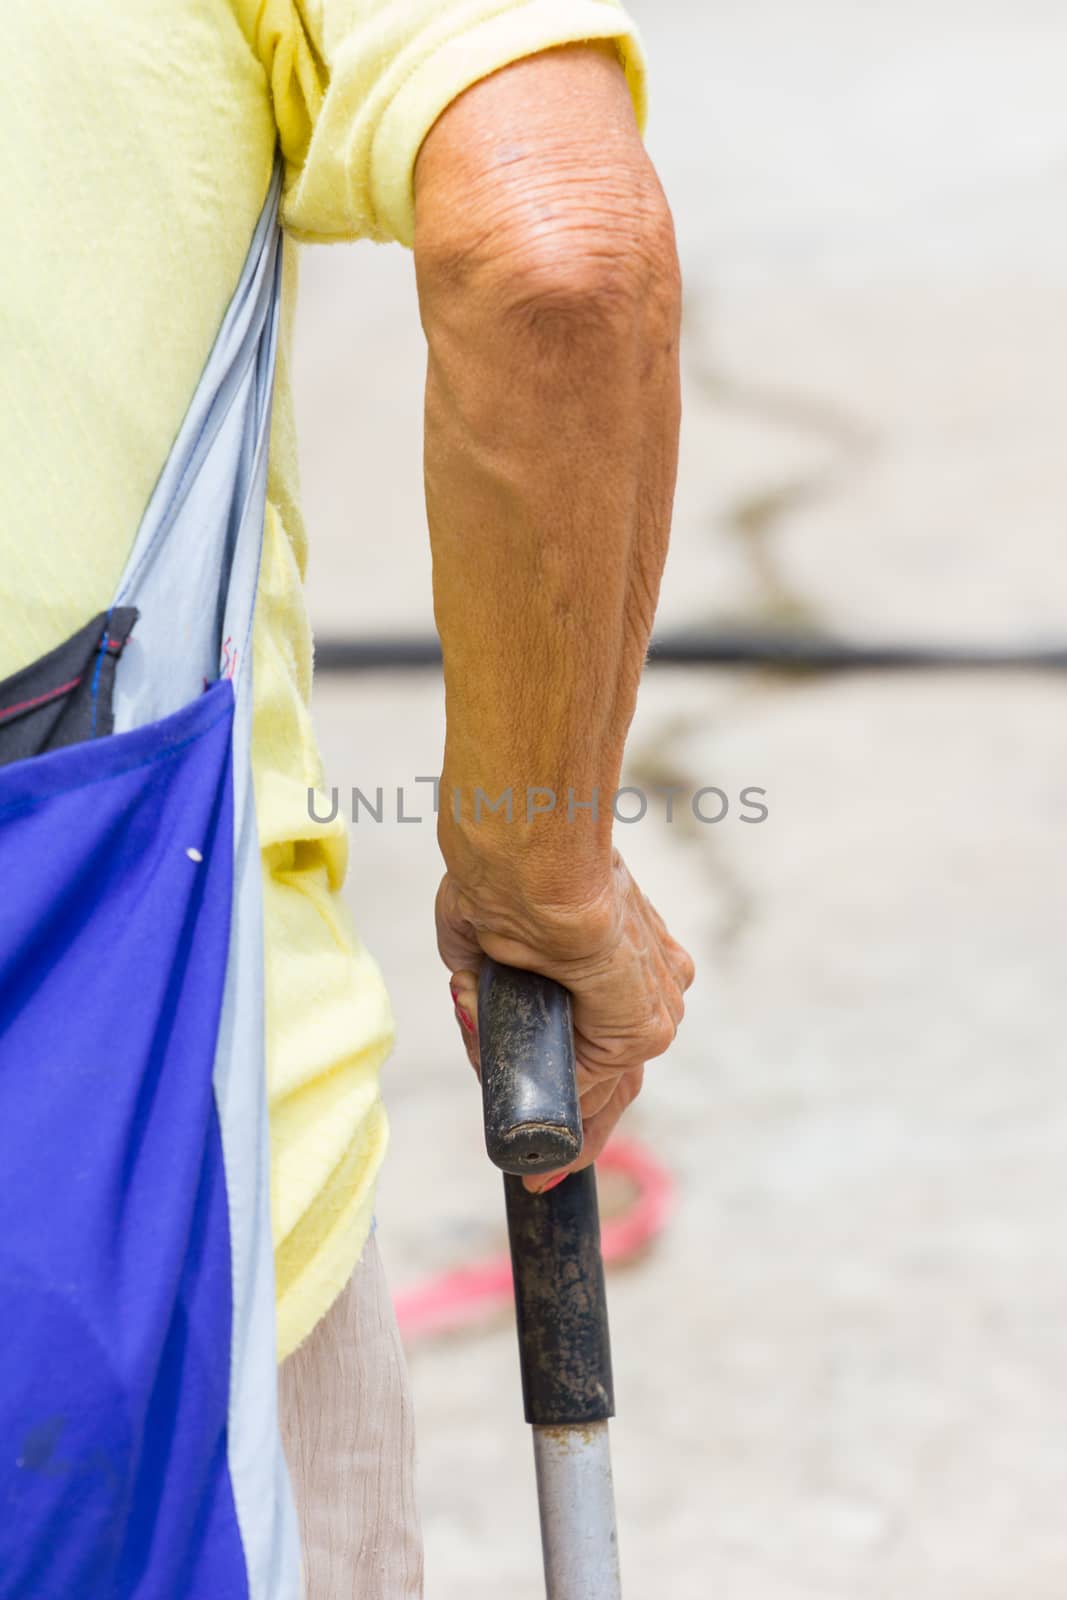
point(577, 1502)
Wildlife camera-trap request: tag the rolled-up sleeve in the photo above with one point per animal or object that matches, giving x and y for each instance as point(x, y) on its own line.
point(357, 85)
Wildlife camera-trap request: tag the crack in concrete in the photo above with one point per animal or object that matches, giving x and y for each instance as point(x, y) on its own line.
point(756, 516)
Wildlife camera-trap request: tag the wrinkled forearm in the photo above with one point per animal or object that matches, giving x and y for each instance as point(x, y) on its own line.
point(549, 294)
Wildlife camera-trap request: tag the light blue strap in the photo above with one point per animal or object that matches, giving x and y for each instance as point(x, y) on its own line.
point(193, 568)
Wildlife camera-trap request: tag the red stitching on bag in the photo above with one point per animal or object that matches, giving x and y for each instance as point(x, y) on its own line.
point(39, 700)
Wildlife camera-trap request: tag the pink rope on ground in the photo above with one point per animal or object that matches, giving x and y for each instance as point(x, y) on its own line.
point(463, 1295)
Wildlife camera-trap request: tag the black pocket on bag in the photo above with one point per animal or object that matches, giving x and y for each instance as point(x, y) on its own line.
point(65, 697)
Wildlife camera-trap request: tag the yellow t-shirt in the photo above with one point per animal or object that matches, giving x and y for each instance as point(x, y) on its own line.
point(138, 142)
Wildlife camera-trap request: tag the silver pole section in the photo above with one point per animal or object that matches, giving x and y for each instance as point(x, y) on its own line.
point(577, 1501)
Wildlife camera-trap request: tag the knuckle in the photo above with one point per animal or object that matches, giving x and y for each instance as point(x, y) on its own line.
point(611, 1054)
point(661, 1034)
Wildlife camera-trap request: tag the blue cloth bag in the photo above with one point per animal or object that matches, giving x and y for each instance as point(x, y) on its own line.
point(139, 1449)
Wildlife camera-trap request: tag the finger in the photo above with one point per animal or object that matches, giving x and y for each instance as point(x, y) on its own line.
point(681, 964)
point(596, 1131)
point(597, 1077)
point(676, 955)
point(594, 1096)
point(674, 997)
point(463, 988)
point(622, 1044)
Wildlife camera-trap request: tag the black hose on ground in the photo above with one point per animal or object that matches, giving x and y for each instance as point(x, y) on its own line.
point(778, 652)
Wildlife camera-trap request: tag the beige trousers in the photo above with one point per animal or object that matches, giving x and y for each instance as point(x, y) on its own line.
point(348, 1431)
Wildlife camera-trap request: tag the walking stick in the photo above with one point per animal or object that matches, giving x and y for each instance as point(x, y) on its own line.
point(533, 1124)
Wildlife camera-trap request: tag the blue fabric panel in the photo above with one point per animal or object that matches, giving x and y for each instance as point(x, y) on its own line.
point(115, 1271)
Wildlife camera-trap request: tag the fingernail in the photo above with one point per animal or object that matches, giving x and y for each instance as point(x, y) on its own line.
point(553, 1183)
point(464, 1017)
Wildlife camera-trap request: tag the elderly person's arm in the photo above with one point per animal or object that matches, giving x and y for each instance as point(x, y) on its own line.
point(549, 292)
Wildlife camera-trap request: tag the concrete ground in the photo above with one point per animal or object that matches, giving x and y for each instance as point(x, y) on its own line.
point(842, 1372)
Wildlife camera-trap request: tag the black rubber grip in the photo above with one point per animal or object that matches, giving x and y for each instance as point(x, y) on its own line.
point(529, 1089)
point(564, 1347)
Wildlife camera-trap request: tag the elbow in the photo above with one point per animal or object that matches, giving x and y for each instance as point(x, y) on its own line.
point(594, 276)
point(561, 268)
